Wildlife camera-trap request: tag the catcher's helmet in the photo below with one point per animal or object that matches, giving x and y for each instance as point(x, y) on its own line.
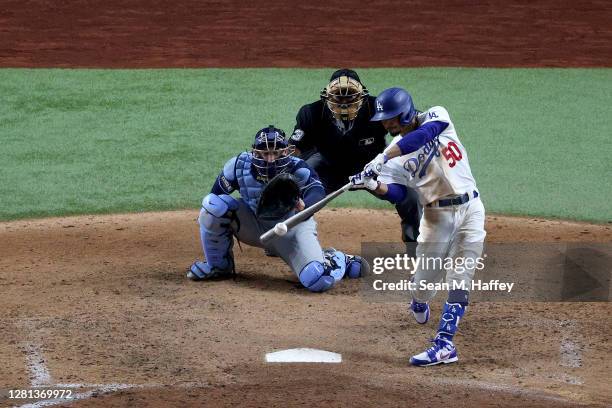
point(344, 95)
point(394, 102)
point(271, 153)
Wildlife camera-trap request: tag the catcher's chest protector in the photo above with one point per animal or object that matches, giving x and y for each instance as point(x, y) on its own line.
point(250, 188)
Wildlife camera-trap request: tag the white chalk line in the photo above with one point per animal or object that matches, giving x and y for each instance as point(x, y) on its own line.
point(570, 355)
point(35, 361)
point(569, 349)
point(86, 385)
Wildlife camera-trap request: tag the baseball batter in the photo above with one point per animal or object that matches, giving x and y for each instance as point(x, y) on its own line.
point(223, 216)
point(426, 155)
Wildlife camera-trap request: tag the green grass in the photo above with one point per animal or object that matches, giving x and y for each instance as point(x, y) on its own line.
point(102, 141)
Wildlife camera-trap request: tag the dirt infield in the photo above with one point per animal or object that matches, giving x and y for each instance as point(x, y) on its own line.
point(103, 300)
point(316, 33)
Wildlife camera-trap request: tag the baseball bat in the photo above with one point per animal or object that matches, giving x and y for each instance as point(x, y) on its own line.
point(304, 215)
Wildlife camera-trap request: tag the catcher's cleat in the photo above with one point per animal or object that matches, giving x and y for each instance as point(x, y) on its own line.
point(442, 352)
point(356, 266)
point(202, 270)
point(420, 311)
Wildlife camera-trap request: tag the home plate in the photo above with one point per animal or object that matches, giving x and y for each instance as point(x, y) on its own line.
point(303, 355)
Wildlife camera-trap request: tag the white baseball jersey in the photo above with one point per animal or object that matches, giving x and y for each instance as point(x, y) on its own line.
point(438, 169)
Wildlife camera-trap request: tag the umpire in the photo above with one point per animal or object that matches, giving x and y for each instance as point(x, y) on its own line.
point(334, 136)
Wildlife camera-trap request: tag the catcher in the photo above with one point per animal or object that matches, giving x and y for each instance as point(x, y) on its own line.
point(273, 186)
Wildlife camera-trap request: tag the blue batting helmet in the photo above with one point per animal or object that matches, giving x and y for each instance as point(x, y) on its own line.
point(271, 153)
point(394, 102)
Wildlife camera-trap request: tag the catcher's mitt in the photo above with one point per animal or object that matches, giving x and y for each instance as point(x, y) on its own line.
point(278, 197)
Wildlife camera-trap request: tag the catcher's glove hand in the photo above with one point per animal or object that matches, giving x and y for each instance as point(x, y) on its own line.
point(279, 197)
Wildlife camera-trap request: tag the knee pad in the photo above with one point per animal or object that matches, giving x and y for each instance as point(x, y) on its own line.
point(215, 213)
point(219, 205)
point(316, 278)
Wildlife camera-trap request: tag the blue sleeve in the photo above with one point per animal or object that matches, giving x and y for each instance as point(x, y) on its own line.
point(414, 140)
point(396, 193)
point(314, 194)
point(311, 189)
point(226, 181)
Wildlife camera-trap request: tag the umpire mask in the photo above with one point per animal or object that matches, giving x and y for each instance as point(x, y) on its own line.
point(344, 95)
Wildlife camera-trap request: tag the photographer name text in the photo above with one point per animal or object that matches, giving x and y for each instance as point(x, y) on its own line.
point(475, 285)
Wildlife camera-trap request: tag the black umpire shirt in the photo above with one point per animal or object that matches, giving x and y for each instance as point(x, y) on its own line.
point(346, 150)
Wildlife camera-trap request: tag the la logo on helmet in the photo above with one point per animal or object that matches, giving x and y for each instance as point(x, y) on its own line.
point(379, 106)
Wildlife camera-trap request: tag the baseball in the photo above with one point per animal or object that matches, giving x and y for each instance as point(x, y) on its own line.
point(280, 229)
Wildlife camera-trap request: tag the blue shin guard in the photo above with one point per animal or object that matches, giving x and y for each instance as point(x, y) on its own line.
point(215, 230)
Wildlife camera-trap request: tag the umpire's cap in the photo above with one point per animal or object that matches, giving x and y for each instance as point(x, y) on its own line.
point(345, 72)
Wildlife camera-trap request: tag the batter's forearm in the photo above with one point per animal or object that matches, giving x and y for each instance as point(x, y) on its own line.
point(381, 190)
point(392, 151)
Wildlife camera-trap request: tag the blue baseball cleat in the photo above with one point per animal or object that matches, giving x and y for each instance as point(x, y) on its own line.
point(420, 311)
point(202, 270)
point(442, 352)
point(356, 266)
